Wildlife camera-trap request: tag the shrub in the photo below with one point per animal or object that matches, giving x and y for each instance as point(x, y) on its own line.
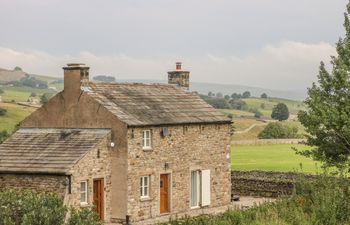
point(85, 216)
point(32, 208)
point(27, 207)
point(1, 91)
point(238, 104)
point(219, 103)
point(277, 130)
point(2, 111)
point(3, 136)
point(45, 98)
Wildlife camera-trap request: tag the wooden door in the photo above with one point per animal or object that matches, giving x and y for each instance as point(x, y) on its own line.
point(98, 197)
point(164, 193)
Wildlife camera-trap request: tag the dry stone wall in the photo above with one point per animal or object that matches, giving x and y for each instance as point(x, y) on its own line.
point(264, 184)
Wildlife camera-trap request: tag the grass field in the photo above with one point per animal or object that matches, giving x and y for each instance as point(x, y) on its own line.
point(15, 114)
point(279, 157)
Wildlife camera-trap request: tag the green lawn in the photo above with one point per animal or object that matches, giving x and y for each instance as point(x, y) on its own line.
point(15, 114)
point(279, 157)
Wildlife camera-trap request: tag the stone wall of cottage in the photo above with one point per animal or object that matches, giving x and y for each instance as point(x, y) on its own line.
point(96, 164)
point(40, 183)
point(187, 148)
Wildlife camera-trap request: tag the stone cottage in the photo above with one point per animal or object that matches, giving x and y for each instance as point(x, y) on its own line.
point(145, 152)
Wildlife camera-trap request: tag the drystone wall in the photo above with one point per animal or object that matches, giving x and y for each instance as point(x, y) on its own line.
point(264, 184)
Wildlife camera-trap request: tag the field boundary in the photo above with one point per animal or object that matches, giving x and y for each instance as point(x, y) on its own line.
point(269, 141)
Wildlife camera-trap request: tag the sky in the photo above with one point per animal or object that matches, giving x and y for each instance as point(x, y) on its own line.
point(271, 44)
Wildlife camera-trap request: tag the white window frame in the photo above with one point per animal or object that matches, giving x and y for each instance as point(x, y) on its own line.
point(84, 192)
point(144, 186)
point(202, 188)
point(197, 183)
point(146, 139)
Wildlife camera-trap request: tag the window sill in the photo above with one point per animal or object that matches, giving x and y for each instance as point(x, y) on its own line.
point(84, 204)
point(195, 207)
point(147, 148)
point(145, 199)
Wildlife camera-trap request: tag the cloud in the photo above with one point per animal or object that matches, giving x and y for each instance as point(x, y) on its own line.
point(287, 65)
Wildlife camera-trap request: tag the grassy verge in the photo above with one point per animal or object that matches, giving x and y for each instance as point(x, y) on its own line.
point(279, 157)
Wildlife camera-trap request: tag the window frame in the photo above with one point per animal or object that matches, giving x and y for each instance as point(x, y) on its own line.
point(198, 189)
point(145, 186)
point(85, 192)
point(145, 139)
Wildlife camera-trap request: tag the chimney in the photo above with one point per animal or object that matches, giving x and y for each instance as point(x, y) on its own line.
point(76, 75)
point(179, 77)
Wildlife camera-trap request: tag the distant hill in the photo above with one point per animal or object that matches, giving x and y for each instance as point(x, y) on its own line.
point(228, 89)
point(6, 76)
point(203, 88)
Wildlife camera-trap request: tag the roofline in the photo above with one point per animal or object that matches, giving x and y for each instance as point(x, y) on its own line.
point(35, 173)
point(182, 124)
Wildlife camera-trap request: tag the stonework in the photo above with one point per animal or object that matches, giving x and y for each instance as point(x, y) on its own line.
point(94, 165)
point(187, 148)
point(198, 139)
point(40, 183)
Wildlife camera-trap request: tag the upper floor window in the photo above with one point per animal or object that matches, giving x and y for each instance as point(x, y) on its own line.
point(83, 192)
point(146, 139)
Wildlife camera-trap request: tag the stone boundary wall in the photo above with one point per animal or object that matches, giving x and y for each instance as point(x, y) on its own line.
point(264, 184)
point(269, 141)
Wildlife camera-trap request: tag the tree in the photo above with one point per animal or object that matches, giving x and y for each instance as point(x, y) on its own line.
point(45, 98)
point(280, 112)
point(236, 96)
point(327, 118)
point(17, 68)
point(219, 95)
point(263, 95)
point(246, 94)
point(104, 78)
point(33, 94)
point(238, 104)
point(210, 93)
point(227, 97)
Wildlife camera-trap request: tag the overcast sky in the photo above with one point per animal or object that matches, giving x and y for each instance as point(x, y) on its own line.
point(274, 44)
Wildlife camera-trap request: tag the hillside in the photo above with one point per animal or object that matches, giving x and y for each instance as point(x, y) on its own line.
point(247, 127)
point(7, 76)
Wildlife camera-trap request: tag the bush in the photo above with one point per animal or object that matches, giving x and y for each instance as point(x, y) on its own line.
point(1, 91)
point(85, 216)
point(31, 208)
point(277, 130)
point(27, 207)
point(218, 103)
point(45, 98)
point(3, 136)
point(3, 112)
point(238, 104)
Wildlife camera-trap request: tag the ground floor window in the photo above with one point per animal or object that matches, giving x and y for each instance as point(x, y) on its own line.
point(195, 188)
point(144, 186)
point(83, 192)
point(200, 188)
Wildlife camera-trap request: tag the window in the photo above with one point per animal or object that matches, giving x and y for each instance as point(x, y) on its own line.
point(83, 192)
point(200, 188)
point(144, 186)
point(195, 191)
point(146, 139)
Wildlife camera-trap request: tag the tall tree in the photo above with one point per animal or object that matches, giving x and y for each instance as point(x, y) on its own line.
point(246, 94)
point(327, 118)
point(280, 112)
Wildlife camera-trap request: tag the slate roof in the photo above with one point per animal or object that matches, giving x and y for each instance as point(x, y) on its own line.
point(154, 104)
point(47, 151)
